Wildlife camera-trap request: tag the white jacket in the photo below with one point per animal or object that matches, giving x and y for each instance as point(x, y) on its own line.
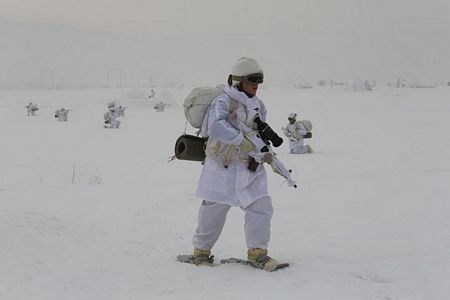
point(296, 130)
point(234, 185)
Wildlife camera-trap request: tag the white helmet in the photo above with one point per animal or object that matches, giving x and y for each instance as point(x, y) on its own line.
point(243, 67)
point(292, 116)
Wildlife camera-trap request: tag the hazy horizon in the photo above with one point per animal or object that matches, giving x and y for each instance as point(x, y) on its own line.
point(140, 42)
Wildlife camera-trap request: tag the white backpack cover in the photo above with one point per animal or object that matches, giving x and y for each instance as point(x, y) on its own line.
point(197, 102)
point(107, 116)
point(307, 124)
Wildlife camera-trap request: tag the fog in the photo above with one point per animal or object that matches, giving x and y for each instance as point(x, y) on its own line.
point(95, 43)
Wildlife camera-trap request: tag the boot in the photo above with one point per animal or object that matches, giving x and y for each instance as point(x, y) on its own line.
point(203, 257)
point(309, 149)
point(258, 258)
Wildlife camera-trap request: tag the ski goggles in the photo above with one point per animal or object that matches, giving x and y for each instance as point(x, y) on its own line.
point(252, 78)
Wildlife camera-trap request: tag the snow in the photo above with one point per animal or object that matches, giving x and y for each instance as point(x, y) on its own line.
point(94, 213)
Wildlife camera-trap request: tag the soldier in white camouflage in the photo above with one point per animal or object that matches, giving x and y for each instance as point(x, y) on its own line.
point(296, 132)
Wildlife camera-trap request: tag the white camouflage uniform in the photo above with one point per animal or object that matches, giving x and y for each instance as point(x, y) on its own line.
point(61, 114)
point(226, 184)
point(295, 132)
point(159, 107)
point(31, 109)
point(111, 119)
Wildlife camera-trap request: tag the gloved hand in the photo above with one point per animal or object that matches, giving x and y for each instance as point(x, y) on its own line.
point(286, 132)
point(262, 157)
point(268, 158)
point(308, 135)
point(245, 145)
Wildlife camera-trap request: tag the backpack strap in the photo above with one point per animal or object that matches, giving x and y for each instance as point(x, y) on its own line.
point(227, 152)
point(234, 104)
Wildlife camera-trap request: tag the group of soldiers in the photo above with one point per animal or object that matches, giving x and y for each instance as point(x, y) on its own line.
point(61, 114)
point(296, 130)
point(114, 111)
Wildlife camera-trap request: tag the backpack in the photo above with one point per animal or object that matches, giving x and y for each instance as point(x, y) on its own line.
point(107, 116)
point(307, 124)
point(197, 102)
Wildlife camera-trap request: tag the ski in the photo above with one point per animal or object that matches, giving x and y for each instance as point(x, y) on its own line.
point(233, 260)
point(188, 258)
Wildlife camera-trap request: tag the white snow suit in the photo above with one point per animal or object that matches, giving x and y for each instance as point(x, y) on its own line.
point(295, 133)
point(159, 107)
point(111, 119)
point(225, 180)
point(31, 109)
point(61, 114)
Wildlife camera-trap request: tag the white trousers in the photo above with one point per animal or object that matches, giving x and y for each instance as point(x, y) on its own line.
point(297, 147)
point(212, 216)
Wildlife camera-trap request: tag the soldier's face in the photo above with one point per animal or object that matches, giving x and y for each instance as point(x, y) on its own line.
point(249, 88)
point(291, 120)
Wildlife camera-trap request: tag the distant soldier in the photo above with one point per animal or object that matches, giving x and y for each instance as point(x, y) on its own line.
point(111, 119)
point(152, 94)
point(159, 107)
point(31, 109)
point(296, 131)
point(62, 114)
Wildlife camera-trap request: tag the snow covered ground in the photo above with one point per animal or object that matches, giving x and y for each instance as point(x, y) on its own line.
point(94, 213)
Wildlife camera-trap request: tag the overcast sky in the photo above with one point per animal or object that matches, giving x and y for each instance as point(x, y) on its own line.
point(226, 15)
point(309, 38)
